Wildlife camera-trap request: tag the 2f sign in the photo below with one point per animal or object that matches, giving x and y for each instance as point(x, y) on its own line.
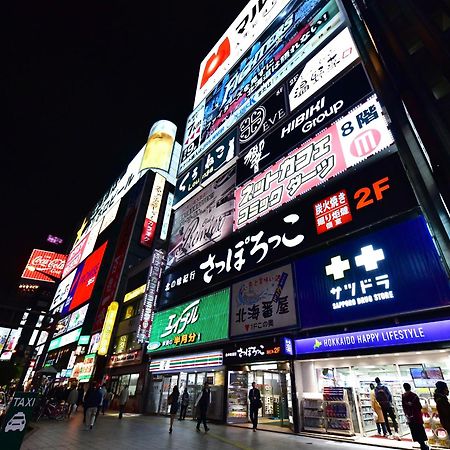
point(369, 194)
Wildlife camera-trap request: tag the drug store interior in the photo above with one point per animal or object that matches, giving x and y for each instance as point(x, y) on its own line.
point(334, 394)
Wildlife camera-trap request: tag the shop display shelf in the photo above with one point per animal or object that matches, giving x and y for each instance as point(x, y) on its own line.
point(316, 429)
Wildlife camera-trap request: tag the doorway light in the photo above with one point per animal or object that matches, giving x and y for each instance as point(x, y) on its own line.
point(264, 367)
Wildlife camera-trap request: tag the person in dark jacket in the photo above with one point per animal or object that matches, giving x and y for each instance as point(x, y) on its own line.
point(384, 398)
point(413, 412)
point(184, 404)
point(202, 403)
point(173, 402)
point(442, 404)
point(254, 396)
point(80, 390)
point(92, 399)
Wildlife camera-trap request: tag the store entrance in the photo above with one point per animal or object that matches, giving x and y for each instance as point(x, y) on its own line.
point(274, 384)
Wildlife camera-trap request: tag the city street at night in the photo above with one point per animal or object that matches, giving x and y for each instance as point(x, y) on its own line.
point(151, 432)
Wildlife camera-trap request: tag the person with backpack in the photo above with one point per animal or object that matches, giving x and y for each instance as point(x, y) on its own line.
point(384, 398)
point(413, 412)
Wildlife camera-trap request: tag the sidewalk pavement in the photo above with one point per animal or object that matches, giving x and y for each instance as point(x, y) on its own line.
point(135, 432)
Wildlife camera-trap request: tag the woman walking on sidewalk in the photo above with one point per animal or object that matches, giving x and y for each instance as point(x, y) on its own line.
point(173, 403)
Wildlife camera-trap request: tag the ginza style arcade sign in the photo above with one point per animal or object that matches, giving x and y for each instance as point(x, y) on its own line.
point(196, 322)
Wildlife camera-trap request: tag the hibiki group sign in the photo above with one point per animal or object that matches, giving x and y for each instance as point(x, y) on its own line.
point(263, 303)
point(377, 190)
point(359, 134)
point(384, 273)
point(351, 89)
point(196, 322)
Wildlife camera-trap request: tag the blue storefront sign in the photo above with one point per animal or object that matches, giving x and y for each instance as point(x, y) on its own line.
point(395, 270)
point(420, 333)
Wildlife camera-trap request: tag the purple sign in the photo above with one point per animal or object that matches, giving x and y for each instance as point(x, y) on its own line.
point(419, 333)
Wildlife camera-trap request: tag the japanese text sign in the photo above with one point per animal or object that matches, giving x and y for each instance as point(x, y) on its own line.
point(263, 303)
point(385, 273)
point(346, 92)
point(353, 138)
point(376, 191)
point(264, 349)
point(204, 219)
point(196, 322)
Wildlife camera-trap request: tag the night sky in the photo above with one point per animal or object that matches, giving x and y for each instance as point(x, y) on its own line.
point(84, 82)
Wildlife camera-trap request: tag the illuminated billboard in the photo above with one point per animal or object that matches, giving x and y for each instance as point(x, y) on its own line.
point(63, 290)
point(206, 167)
point(42, 263)
point(356, 136)
point(204, 219)
point(84, 280)
point(199, 321)
point(290, 39)
point(387, 272)
point(151, 216)
point(374, 191)
point(350, 90)
point(241, 34)
point(263, 303)
point(151, 291)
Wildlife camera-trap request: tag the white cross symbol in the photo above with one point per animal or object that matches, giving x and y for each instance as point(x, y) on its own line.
point(369, 258)
point(337, 267)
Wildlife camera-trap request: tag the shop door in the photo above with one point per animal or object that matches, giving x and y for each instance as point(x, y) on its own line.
point(155, 396)
point(165, 390)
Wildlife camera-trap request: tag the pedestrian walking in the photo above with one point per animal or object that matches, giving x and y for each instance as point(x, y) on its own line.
point(91, 402)
point(184, 404)
point(72, 400)
point(442, 404)
point(80, 391)
point(123, 399)
point(413, 412)
point(378, 412)
point(202, 402)
point(102, 391)
point(173, 401)
point(384, 398)
point(254, 396)
point(107, 400)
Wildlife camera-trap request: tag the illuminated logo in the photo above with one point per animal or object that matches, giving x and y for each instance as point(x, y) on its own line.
point(361, 290)
point(252, 124)
point(365, 143)
point(215, 61)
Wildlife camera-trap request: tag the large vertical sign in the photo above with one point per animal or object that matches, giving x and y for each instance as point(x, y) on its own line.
point(108, 326)
point(116, 268)
point(151, 217)
point(263, 303)
point(356, 136)
point(391, 271)
point(204, 219)
point(151, 292)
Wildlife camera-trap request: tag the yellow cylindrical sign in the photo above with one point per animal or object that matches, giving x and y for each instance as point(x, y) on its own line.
point(107, 329)
point(158, 150)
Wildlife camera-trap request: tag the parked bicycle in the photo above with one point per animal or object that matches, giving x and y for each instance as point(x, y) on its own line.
point(53, 409)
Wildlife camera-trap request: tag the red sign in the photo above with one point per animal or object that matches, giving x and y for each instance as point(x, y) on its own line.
point(332, 212)
point(84, 284)
point(151, 217)
point(115, 271)
point(43, 263)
